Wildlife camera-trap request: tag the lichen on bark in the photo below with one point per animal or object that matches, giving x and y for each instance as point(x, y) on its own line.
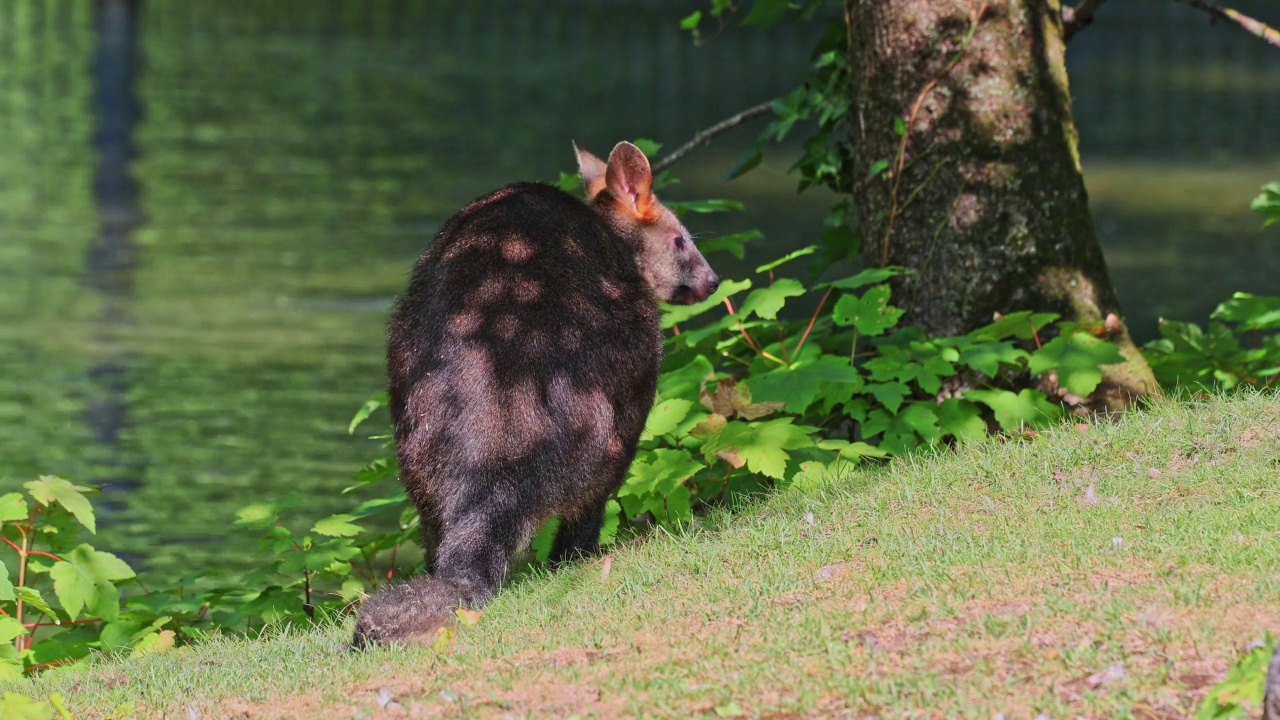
point(989, 207)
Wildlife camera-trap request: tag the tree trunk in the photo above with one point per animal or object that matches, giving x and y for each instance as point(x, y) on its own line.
point(983, 196)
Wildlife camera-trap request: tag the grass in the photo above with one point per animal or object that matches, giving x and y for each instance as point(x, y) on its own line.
point(1104, 571)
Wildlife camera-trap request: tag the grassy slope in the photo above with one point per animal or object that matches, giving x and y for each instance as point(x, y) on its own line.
point(981, 581)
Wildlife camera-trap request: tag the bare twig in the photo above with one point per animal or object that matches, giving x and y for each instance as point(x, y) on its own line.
point(1251, 26)
point(704, 136)
point(1078, 18)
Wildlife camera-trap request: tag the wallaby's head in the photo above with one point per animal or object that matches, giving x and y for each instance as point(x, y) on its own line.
point(622, 191)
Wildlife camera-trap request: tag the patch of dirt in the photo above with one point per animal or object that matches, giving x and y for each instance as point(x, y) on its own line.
point(1264, 435)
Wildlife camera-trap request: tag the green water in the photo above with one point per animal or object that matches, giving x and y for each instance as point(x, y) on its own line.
point(194, 322)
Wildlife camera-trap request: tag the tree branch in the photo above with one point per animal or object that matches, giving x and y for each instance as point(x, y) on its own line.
point(704, 136)
point(1253, 27)
point(1078, 18)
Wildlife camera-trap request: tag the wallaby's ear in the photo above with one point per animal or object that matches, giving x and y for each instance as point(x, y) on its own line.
point(629, 178)
point(592, 169)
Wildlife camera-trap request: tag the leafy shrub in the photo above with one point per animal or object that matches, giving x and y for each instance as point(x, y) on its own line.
point(60, 589)
point(1242, 689)
point(1221, 357)
point(1241, 345)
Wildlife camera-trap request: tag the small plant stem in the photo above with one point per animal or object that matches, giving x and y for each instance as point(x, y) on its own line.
point(51, 663)
point(392, 567)
point(853, 351)
point(306, 584)
point(81, 621)
point(1035, 334)
point(746, 336)
point(41, 553)
point(812, 320)
point(22, 581)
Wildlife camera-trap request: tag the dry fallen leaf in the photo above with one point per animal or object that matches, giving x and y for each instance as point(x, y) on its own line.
point(1153, 472)
point(1111, 674)
point(467, 616)
point(605, 566)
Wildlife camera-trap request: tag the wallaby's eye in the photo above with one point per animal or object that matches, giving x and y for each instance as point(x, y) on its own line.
point(679, 242)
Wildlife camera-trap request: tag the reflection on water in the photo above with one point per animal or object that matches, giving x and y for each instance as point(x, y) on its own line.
point(205, 210)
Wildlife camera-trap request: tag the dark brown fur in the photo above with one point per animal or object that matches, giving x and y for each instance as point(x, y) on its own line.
point(522, 364)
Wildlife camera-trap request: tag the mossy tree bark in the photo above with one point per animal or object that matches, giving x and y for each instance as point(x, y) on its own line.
point(983, 196)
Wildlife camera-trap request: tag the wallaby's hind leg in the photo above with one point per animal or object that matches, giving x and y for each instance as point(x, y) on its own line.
point(471, 559)
point(579, 536)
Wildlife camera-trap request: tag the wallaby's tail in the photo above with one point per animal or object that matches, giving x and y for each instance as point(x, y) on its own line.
point(409, 612)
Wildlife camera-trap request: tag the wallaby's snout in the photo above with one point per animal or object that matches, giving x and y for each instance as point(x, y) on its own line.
point(702, 285)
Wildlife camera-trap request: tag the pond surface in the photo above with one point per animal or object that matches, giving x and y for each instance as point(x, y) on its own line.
point(206, 209)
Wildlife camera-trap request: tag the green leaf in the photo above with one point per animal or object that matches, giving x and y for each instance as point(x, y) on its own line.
point(372, 506)
point(675, 314)
point(904, 431)
point(961, 419)
point(877, 168)
point(32, 597)
point(10, 628)
point(765, 13)
point(703, 207)
point(986, 357)
point(369, 407)
point(60, 705)
point(1077, 358)
point(747, 161)
point(12, 507)
point(1268, 204)
point(20, 707)
point(691, 20)
point(6, 586)
point(899, 127)
point(1022, 325)
point(788, 258)
point(1028, 408)
point(84, 579)
point(265, 514)
point(664, 417)
point(339, 525)
point(1253, 312)
point(647, 146)
point(377, 470)
point(544, 539)
point(871, 314)
point(866, 277)
point(732, 244)
point(803, 382)
point(569, 182)
point(612, 516)
point(765, 302)
point(659, 472)
point(889, 395)
point(678, 506)
point(48, 490)
point(686, 380)
point(1244, 686)
point(761, 445)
